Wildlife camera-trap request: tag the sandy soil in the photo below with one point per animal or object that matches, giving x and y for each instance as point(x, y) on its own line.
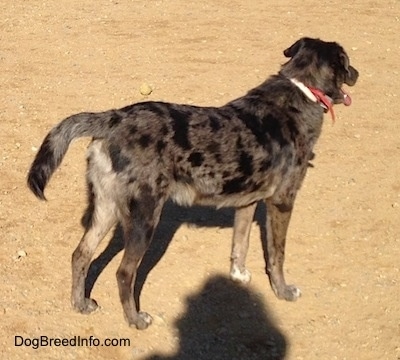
point(62, 57)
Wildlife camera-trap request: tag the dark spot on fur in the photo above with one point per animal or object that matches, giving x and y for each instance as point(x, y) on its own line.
point(214, 123)
point(132, 129)
point(235, 185)
point(87, 217)
point(132, 179)
point(129, 108)
point(283, 207)
point(213, 147)
point(151, 106)
point(114, 120)
point(118, 160)
point(251, 185)
point(180, 125)
point(265, 165)
point(160, 146)
point(145, 190)
point(160, 179)
point(199, 126)
point(239, 144)
point(164, 130)
point(274, 128)
point(255, 185)
point(145, 140)
point(180, 175)
point(293, 130)
point(294, 110)
point(246, 163)
point(196, 159)
point(158, 108)
point(253, 123)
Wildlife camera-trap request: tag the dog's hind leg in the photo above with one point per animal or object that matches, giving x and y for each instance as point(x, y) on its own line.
point(240, 243)
point(138, 226)
point(103, 219)
point(100, 217)
point(278, 217)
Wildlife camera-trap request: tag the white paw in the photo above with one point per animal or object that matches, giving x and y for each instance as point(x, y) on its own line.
point(243, 277)
point(142, 321)
point(287, 292)
point(297, 293)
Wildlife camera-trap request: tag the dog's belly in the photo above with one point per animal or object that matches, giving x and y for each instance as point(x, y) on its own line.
point(234, 200)
point(187, 195)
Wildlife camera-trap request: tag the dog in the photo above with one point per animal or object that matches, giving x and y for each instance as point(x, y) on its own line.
point(255, 148)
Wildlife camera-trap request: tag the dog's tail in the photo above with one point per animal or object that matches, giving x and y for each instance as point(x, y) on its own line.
point(56, 144)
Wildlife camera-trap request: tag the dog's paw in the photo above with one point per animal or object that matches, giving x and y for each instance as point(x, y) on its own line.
point(288, 293)
point(143, 321)
point(243, 276)
point(86, 306)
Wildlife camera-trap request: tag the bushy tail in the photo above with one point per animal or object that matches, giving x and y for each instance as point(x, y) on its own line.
point(56, 144)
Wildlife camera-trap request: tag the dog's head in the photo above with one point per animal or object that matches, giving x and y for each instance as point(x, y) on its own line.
point(322, 65)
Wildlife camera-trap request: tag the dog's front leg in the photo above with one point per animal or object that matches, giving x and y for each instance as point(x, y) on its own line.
point(278, 217)
point(240, 243)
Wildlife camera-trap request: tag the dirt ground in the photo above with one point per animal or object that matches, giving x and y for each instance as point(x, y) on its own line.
point(62, 57)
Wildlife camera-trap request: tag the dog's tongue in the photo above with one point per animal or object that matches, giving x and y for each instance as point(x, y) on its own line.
point(346, 98)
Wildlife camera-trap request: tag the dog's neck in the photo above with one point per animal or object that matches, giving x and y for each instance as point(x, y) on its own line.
point(317, 96)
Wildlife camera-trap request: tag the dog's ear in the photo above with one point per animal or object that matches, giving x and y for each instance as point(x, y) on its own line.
point(294, 49)
point(352, 73)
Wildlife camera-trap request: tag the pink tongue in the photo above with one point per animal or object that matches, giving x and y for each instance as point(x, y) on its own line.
point(346, 98)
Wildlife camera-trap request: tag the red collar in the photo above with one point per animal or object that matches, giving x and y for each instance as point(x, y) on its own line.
point(325, 101)
point(316, 95)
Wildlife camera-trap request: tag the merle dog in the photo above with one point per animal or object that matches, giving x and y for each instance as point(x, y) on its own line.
point(256, 147)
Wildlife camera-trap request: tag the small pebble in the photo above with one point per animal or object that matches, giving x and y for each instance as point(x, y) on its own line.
point(145, 89)
point(20, 254)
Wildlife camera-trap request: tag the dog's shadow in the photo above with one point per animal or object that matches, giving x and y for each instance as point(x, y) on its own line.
point(172, 218)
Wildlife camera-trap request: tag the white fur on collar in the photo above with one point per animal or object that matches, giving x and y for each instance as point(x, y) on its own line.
point(304, 89)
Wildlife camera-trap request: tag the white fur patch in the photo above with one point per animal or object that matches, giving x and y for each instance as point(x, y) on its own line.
point(243, 277)
point(304, 89)
point(297, 292)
